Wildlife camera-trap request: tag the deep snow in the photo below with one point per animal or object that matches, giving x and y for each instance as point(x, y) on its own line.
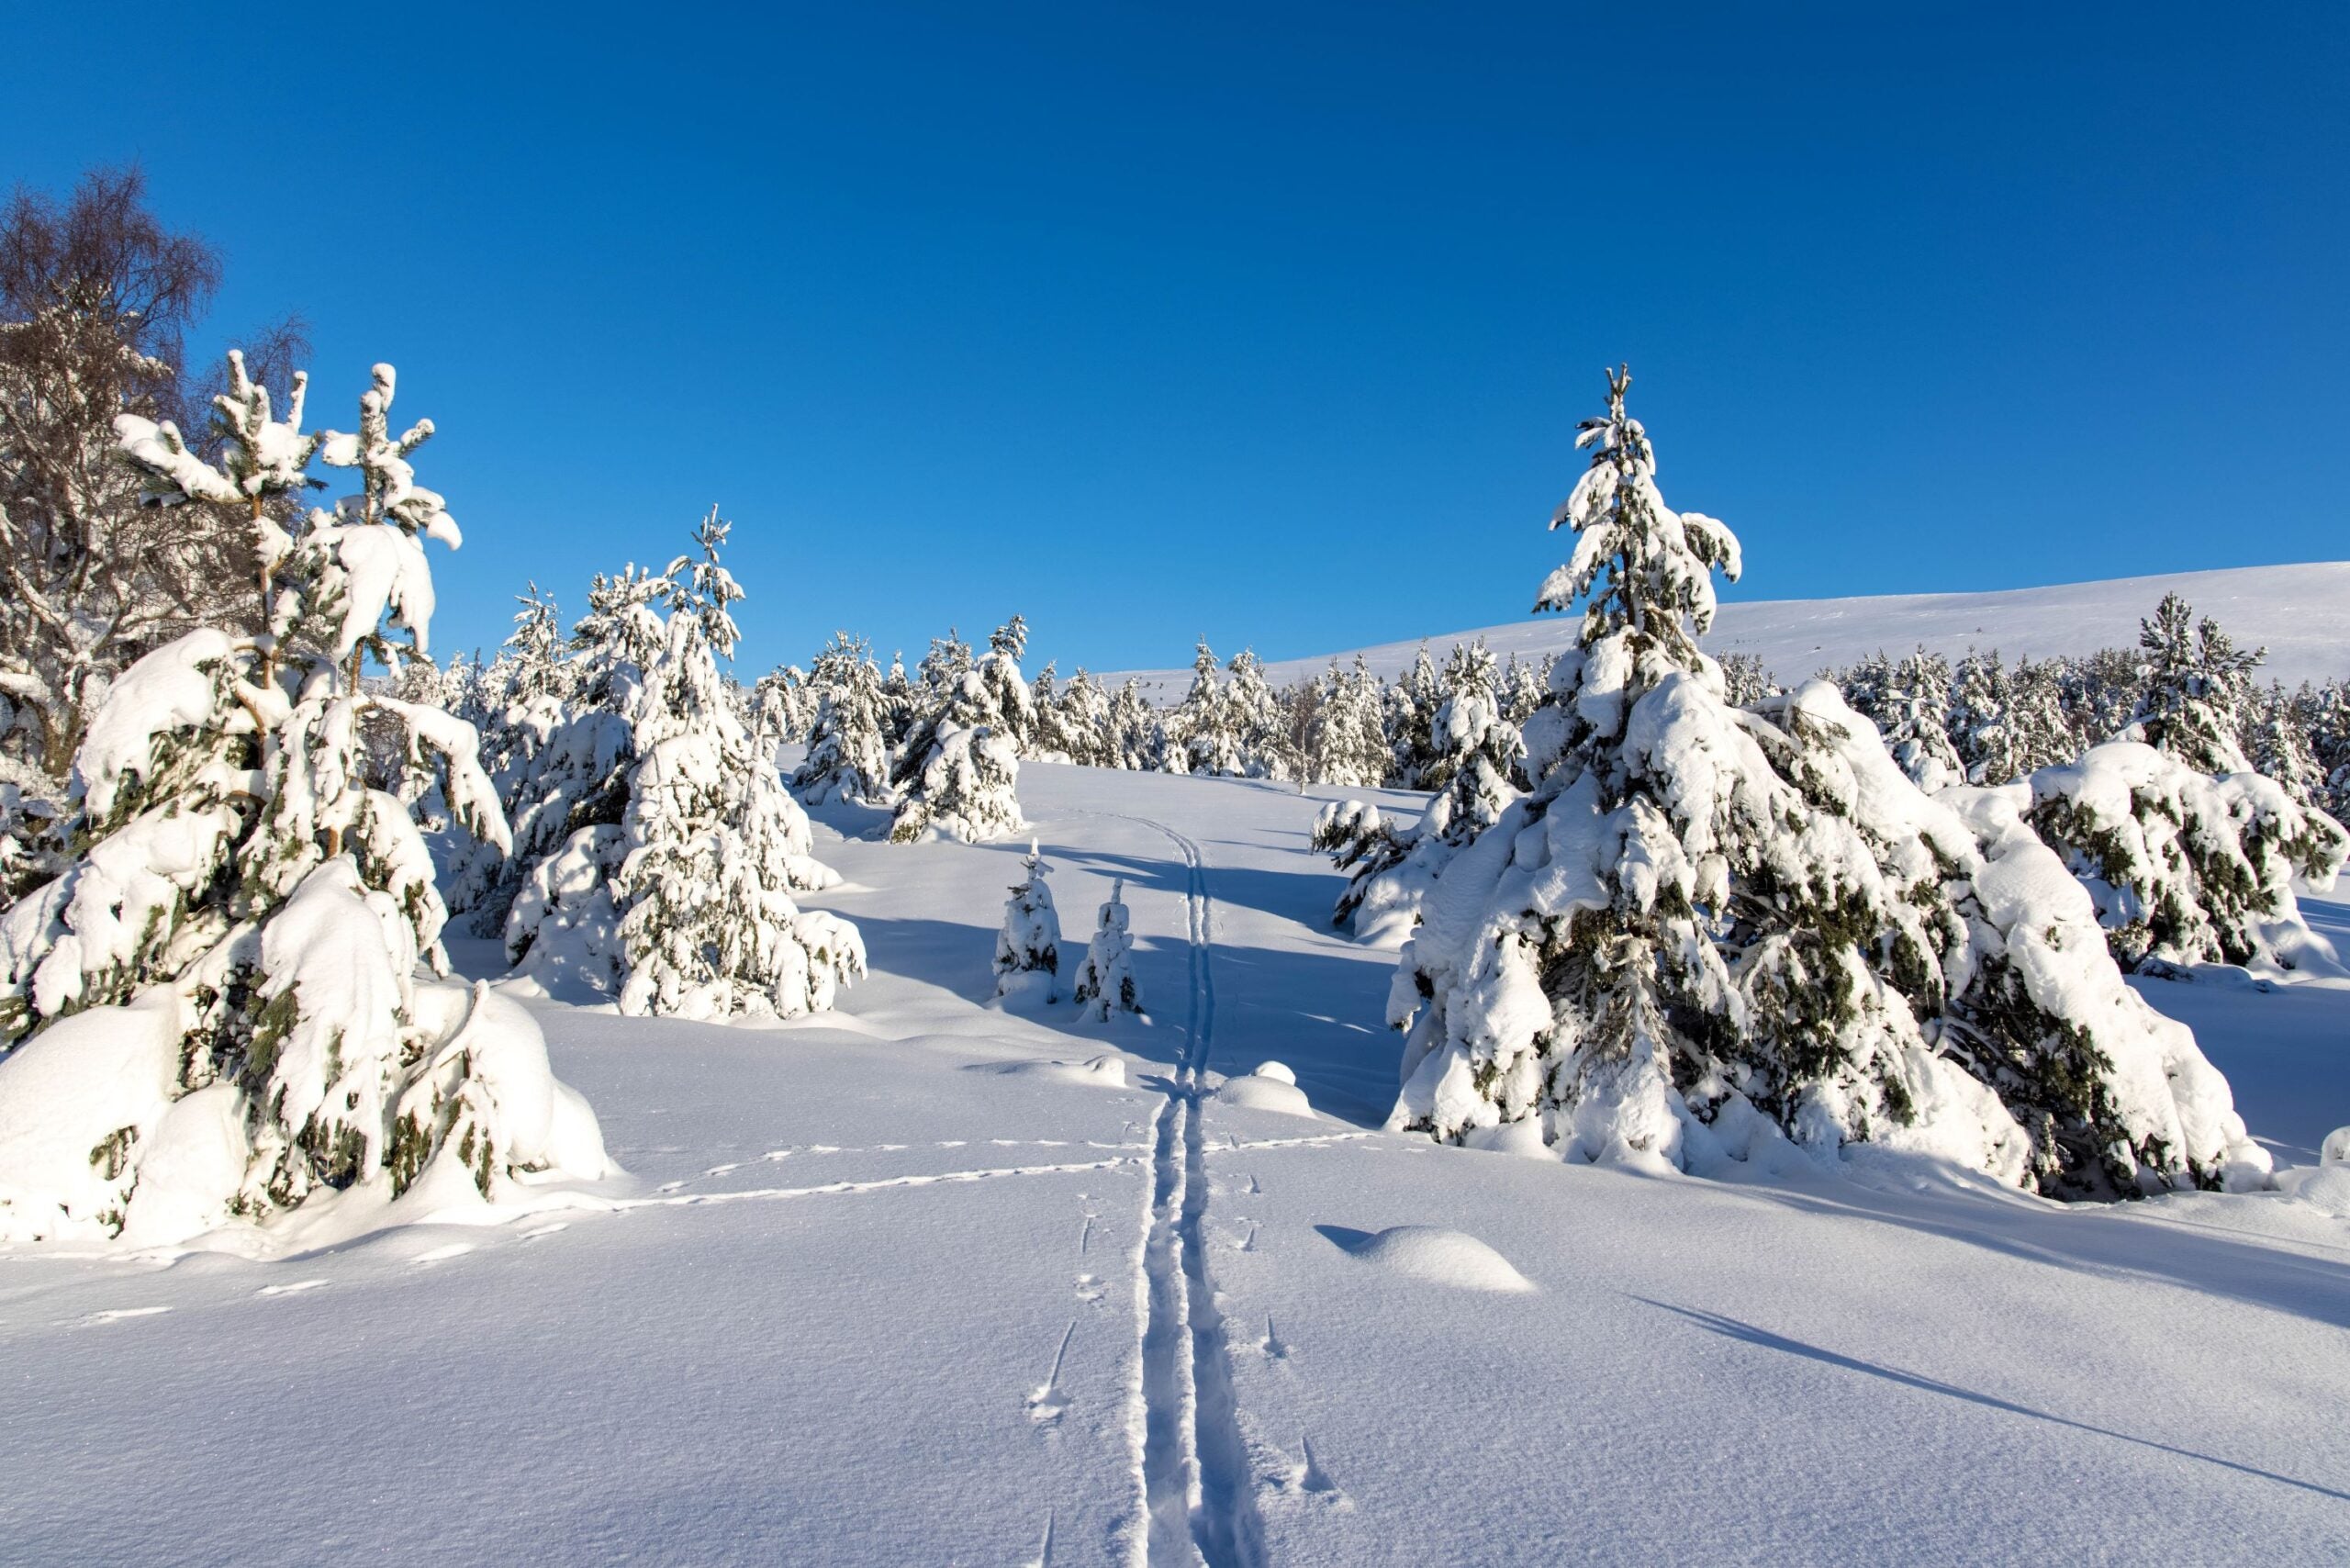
point(890, 1286)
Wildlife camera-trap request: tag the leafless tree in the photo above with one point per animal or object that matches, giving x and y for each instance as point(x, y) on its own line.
point(97, 299)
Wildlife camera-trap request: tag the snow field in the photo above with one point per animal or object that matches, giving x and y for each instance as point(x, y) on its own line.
point(889, 1287)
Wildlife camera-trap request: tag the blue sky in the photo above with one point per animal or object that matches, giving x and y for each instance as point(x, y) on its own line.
point(1270, 323)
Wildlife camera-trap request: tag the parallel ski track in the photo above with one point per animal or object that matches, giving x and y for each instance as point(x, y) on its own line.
point(1198, 1497)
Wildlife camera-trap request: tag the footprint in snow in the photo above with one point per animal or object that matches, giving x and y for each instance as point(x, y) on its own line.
point(1046, 1404)
point(1312, 1486)
point(1090, 1289)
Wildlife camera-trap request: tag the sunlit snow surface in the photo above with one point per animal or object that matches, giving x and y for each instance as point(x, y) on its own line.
point(872, 1295)
point(2297, 612)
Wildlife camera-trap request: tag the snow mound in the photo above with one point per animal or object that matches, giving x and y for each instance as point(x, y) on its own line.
point(1101, 1073)
point(1522, 1138)
point(2326, 1187)
point(2336, 1150)
point(1441, 1256)
point(1271, 1087)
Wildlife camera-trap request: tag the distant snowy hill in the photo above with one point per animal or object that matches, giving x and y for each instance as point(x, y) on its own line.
point(2300, 613)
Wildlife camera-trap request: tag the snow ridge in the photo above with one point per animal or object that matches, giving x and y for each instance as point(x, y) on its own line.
point(1199, 1499)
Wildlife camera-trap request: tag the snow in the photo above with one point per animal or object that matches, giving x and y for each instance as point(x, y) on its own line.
point(2294, 612)
point(1436, 1256)
point(877, 1286)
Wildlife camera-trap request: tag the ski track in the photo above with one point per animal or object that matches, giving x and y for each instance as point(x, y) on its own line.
point(1198, 1494)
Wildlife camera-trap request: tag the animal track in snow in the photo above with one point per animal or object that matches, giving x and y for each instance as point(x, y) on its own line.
point(1046, 1404)
point(1314, 1481)
point(1090, 1289)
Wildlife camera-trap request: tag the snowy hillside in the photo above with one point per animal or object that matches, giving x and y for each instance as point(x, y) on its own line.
point(912, 1283)
point(2300, 613)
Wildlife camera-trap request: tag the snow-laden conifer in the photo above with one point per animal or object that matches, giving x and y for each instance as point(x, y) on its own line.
point(1908, 701)
point(782, 708)
point(848, 756)
point(1350, 738)
point(2189, 854)
point(1105, 983)
point(1525, 682)
point(898, 703)
point(1138, 739)
point(216, 1006)
point(2197, 688)
point(2006, 722)
point(1411, 702)
point(1201, 737)
point(958, 776)
point(1028, 948)
point(1080, 722)
point(2279, 741)
point(1470, 722)
point(1255, 721)
point(1708, 930)
point(1011, 708)
point(672, 893)
point(1391, 866)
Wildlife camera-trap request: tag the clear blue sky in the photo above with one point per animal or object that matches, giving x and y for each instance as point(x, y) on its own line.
point(1270, 322)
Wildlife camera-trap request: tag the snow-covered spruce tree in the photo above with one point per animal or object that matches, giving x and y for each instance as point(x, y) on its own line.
point(1908, 701)
point(1201, 737)
point(2006, 722)
point(781, 708)
point(1525, 683)
point(215, 1012)
point(849, 755)
point(1138, 739)
point(2188, 867)
point(534, 684)
point(1105, 976)
point(1744, 681)
point(898, 704)
point(958, 776)
point(683, 907)
point(1470, 722)
point(1012, 709)
point(2330, 743)
point(1392, 867)
point(576, 775)
point(1080, 726)
point(1048, 742)
point(1350, 738)
point(2190, 855)
point(1258, 724)
point(1411, 702)
point(2280, 743)
point(1708, 929)
point(2197, 689)
point(1028, 948)
point(942, 669)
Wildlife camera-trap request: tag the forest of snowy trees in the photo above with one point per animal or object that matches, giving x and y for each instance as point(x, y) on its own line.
point(1655, 906)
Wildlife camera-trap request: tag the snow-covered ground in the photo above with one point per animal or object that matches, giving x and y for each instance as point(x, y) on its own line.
point(911, 1283)
point(2295, 611)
